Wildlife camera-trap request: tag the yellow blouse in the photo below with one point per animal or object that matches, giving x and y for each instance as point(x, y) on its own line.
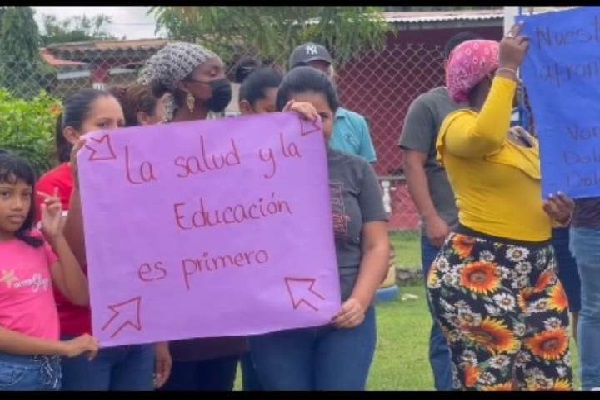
point(496, 181)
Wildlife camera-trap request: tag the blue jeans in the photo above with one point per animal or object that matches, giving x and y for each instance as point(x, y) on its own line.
point(121, 368)
point(217, 374)
point(250, 380)
point(439, 352)
point(567, 268)
point(585, 246)
point(29, 373)
point(321, 358)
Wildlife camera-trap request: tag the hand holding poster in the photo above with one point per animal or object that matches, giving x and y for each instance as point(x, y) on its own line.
point(562, 75)
point(207, 229)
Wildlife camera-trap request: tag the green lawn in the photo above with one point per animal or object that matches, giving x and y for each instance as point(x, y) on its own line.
point(408, 249)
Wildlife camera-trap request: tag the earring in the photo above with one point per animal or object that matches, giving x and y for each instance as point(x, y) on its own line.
point(190, 100)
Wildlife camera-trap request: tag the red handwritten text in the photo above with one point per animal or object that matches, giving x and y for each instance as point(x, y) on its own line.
point(150, 272)
point(145, 171)
point(208, 263)
point(192, 165)
point(235, 214)
point(288, 150)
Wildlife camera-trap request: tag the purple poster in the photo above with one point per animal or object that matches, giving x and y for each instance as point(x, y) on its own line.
point(207, 229)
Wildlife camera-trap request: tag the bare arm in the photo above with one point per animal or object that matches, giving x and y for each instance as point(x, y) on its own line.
point(417, 142)
point(416, 181)
point(374, 263)
point(68, 275)
point(17, 343)
point(73, 228)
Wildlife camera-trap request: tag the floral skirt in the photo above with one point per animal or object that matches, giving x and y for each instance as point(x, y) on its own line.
point(503, 312)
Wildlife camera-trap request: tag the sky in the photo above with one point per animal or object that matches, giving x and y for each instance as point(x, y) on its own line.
point(131, 22)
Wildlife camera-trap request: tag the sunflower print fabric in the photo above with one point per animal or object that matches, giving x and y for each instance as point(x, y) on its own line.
point(504, 314)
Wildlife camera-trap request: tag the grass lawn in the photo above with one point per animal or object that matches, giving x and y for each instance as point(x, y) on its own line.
point(408, 249)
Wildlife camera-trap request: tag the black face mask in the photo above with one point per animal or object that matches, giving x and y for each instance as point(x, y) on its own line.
point(221, 95)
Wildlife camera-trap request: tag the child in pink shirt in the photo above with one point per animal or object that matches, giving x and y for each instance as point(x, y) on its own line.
point(30, 348)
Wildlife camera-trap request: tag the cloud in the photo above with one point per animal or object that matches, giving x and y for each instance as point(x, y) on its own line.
point(132, 22)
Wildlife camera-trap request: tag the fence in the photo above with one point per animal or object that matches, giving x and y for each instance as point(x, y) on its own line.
point(379, 85)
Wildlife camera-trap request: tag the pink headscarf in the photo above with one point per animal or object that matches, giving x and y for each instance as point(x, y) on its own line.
point(469, 63)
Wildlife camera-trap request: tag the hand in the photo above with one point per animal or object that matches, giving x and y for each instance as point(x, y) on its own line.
point(82, 344)
point(352, 314)
point(437, 230)
point(51, 218)
point(307, 110)
point(163, 365)
point(559, 208)
point(513, 48)
point(80, 143)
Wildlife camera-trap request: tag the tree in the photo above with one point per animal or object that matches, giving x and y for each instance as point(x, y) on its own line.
point(22, 70)
point(273, 32)
point(75, 29)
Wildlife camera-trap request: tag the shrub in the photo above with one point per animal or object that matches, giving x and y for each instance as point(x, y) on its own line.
point(27, 127)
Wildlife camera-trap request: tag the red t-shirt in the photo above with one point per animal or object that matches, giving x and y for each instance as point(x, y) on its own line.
point(74, 320)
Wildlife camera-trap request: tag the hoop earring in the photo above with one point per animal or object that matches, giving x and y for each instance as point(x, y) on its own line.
point(190, 101)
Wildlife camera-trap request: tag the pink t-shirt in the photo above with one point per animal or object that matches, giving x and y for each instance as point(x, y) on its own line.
point(27, 304)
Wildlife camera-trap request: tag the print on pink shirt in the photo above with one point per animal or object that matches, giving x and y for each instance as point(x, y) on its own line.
point(36, 282)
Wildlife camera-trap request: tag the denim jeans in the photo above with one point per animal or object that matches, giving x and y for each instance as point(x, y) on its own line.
point(250, 380)
point(29, 373)
point(585, 246)
point(439, 352)
point(321, 358)
point(121, 368)
point(217, 374)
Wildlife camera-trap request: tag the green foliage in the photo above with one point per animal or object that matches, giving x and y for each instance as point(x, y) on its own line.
point(22, 70)
point(28, 126)
point(273, 32)
point(75, 29)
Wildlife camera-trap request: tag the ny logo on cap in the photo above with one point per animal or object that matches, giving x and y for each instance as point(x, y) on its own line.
point(311, 49)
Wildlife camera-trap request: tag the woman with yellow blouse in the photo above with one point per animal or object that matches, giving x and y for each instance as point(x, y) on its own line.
point(493, 286)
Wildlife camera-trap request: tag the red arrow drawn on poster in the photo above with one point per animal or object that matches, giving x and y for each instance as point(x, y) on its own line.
point(307, 127)
point(100, 148)
point(125, 313)
point(301, 291)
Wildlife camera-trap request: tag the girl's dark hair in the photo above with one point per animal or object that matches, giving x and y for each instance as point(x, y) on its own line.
point(306, 79)
point(135, 98)
point(245, 67)
point(75, 111)
point(256, 84)
point(13, 169)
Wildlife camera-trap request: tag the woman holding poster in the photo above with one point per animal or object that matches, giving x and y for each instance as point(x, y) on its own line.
point(116, 368)
point(337, 356)
point(193, 80)
point(493, 286)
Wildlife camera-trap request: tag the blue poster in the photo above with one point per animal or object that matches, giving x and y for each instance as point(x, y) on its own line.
point(562, 75)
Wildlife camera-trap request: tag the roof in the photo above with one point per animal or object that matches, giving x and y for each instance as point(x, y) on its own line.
point(58, 63)
point(105, 49)
point(439, 16)
point(441, 19)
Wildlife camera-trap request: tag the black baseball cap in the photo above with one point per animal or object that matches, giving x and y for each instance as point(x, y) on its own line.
point(308, 52)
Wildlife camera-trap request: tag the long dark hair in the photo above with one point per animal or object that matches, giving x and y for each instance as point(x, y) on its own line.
point(13, 169)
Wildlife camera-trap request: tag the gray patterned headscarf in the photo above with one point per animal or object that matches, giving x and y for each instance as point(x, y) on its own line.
point(171, 64)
